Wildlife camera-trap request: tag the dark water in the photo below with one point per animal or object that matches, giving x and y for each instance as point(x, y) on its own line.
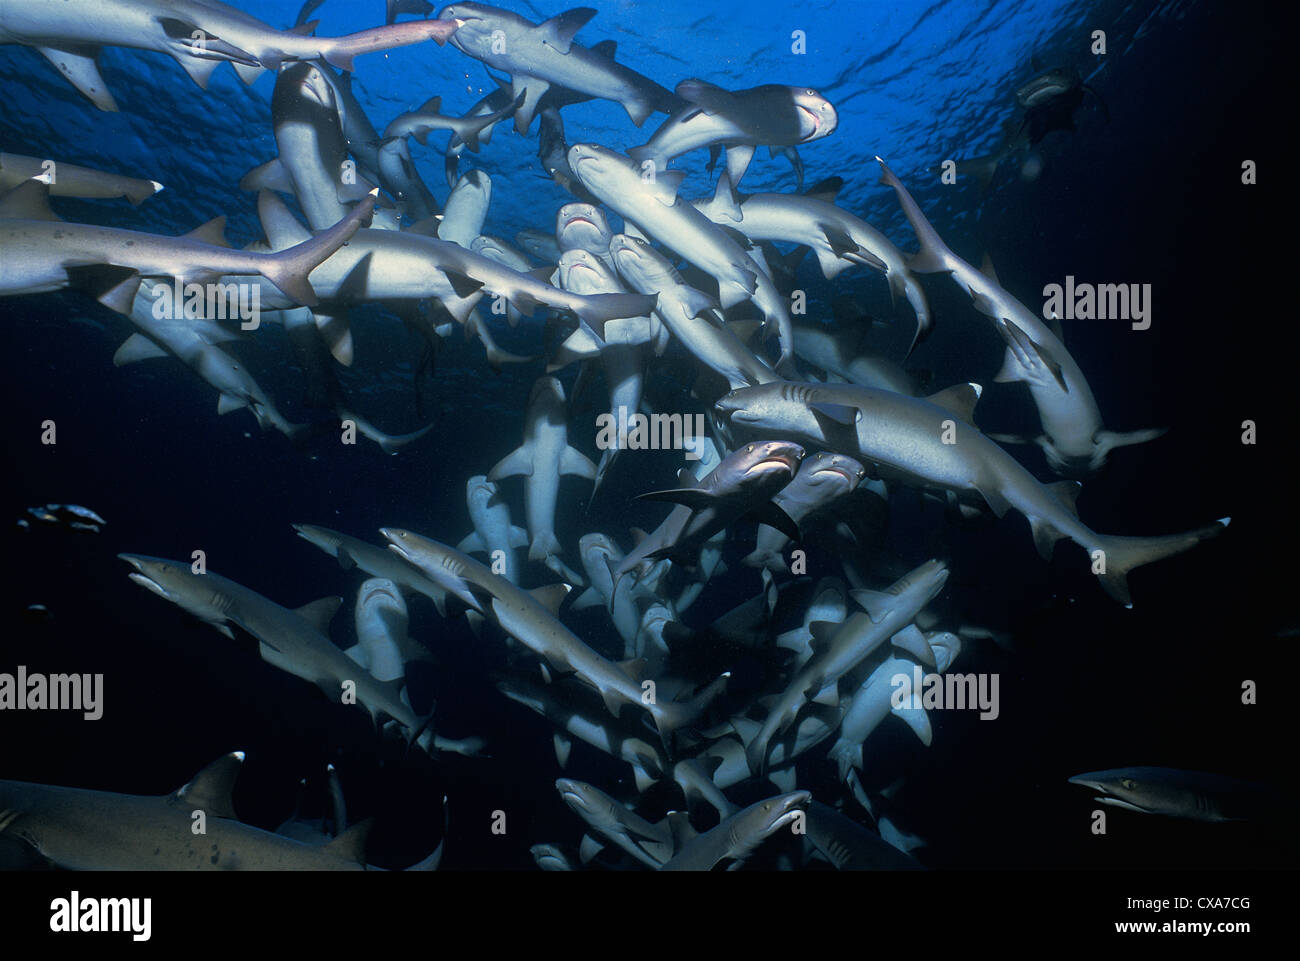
point(1152, 196)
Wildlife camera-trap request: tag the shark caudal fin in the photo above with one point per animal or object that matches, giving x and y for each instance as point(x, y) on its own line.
point(1120, 555)
point(288, 269)
point(934, 256)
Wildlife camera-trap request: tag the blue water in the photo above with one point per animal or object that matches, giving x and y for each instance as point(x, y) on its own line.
point(1150, 196)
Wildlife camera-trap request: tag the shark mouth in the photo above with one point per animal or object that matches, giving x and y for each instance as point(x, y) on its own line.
point(147, 582)
point(378, 591)
point(816, 121)
point(580, 220)
point(775, 462)
point(835, 470)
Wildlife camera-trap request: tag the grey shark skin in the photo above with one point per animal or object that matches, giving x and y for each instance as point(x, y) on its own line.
point(199, 34)
point(425, 120)
point(35, 246)
point(493, 534)
point(605, 734)
point(352, 552)
point(69, 180)
point(584, 226)
point(825, 348)
point(194, 343)
point(1073, 439)
point(466, 209)
point(291, 640)
point(82, 830)
point(837, 653)
point(738, 836)
point(381, 622)
point(651, 844)
point(401, 265)
point(770, 115)
point(662, 215)
point(524, 618)
point(541, 459)
point(822, 480)
point(851, 847)
point(540, 56)
point(838, 238)
point(743, 482)
point(905, 438)
point(1182, 794)
point(688, 314)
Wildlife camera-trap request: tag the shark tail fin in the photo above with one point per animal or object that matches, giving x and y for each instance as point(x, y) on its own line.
point(288, 269)
point(1122, 554)
point(934, 255)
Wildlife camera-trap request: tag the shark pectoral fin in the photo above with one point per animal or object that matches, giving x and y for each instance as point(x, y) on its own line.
point(1045, 537)
point(1067, 492)
point(838, 238)
point(911, 640)
point(518, 536)
point(828, 696)
point(665, 186)
point(225, 629)
point(589, 848)
point(30, 200)
point(82, 70)
point(613, 703)
point(994, 498)
point(358, 654)
point(200, 71)
point(271, 175)
point(1015, 438)
point(558, 32)
point(644, 781)
point(135, 348)
point(519, 461)
point(1106, 440)
point(822, 634)
point(212, 789)
point(588, 598)
point(913, 715)
point(694, 498)
point(774, 516)
point(226, 403)
point(576, 463)
point(319, 613)
point(563, 747)
point(633, 668)
point(351, 844)
point(738, 158)
point(533, 88)
point(784, 779)
point(336, 331)
point(840, 414)
point(959, 399)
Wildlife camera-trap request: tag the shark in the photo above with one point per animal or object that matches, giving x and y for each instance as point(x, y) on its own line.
point(539, 56)
point(689, 314)
point(39, 253)
point(70, 180)
point(823, 479)
point(1194, 795)
point(200, 35)
point(530, 619)
point(493, 533)
point(352, 552)
point(653, 205)
point(295, 641)
point(837, 237)
point(851, 847)
point(933, 442)
point(743, 483)
point(651, 844)
point(1073, 438)
point(838, 649)
point(83, 830)
point(541, 459)
point(770, 115)
point(738, 836)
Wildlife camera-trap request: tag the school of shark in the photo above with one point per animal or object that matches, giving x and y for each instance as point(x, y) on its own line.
point(715, 687)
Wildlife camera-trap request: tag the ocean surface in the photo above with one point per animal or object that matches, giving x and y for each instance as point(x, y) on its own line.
point(1146, 190)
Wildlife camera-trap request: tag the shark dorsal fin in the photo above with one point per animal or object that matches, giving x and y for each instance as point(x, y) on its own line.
point(213, 233)
point(960, 399)
point(558, 32)
point(351, 844)
point(551, 596)
point(680, 828)
point(634, 668)
point(212, 789)
point(319, 613)
point(30, 200)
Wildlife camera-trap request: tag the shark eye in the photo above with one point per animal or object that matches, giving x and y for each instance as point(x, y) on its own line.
point(811, 93)
point(1128, 783)
point(749, 449)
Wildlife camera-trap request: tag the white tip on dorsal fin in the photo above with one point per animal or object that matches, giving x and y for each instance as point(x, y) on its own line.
point(551, 596)
point(960, 399)
point(30, 200)
point(319, 613)
point(351, 844)
point(589, 848)
point(558, 32)
point(212, 788)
